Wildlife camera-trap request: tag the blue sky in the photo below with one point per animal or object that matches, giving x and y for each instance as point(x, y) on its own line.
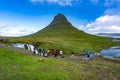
point(23, 17)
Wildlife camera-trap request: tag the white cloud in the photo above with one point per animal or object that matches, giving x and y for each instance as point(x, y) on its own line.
point(64, 2)
point(106, 24)
point(59, 2)
point(15, 30)
point(107, 3)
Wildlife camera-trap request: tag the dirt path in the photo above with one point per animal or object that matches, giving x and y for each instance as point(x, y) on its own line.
point(15, 49)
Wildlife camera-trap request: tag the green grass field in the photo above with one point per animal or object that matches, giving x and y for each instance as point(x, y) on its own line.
point(18, 66)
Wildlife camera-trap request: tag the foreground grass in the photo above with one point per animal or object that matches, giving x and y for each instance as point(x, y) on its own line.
point(18, 66)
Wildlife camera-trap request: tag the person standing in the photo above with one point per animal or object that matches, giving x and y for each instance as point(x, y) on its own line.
point(40, 51)
point(43, 52)
point(88, 53)
point(60, 52)
point(55, 53)
point(48, 52)
point(72, 55)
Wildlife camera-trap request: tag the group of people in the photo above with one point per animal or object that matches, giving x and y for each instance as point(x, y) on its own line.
point(44, 52)
point(49, 52)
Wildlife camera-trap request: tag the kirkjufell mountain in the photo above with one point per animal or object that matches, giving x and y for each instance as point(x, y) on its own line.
point(59, 27)
point(61, 34)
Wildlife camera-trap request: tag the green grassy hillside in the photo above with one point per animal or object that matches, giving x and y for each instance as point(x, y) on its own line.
point(19, 66)
point(60, 34)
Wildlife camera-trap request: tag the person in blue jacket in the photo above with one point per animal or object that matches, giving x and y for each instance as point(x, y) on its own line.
point(88, 53)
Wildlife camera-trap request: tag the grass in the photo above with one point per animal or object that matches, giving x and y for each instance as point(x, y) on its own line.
point(18, 66)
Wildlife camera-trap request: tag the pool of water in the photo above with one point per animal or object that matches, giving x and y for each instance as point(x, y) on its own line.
point(112, 52)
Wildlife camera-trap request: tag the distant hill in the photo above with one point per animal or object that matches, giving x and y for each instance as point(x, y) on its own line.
point(61, 34)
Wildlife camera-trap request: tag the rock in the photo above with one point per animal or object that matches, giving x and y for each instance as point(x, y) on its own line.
point(97, 54)
point(40, 59)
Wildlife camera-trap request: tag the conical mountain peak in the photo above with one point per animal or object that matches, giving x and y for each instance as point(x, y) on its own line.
point(60, 19)
point(60, 26)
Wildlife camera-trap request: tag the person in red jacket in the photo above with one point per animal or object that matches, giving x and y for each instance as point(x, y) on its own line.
point(55, 53)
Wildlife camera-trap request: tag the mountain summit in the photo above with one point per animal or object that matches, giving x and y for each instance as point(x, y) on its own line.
point(59, 19)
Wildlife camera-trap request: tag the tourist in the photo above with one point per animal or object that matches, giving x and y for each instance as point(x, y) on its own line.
point(88, 53)
point(61, 54)
point(46, 53)
point(55, 53)
point(43, 51)
point(40, 51)
point(72, 55)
